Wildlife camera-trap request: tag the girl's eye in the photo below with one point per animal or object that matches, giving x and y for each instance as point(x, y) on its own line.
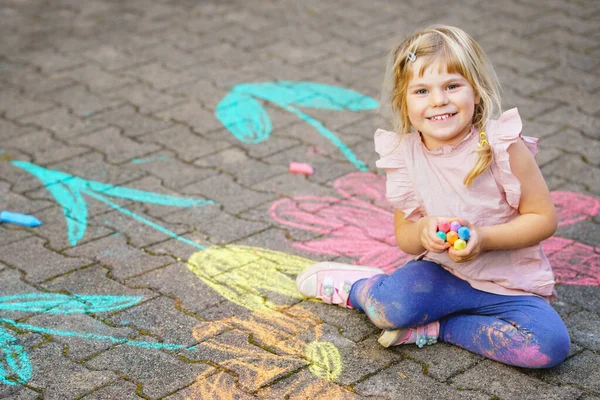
point(452, 86)
point(421, 91)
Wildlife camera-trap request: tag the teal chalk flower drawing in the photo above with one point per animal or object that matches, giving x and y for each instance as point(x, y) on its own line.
point(68, 190)
point(245, 117)
point(15, 364)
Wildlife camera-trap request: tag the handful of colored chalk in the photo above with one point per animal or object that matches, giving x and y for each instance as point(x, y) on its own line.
point(454, 233)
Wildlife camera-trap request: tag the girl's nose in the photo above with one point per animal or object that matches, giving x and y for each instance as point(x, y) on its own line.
point(438, 98)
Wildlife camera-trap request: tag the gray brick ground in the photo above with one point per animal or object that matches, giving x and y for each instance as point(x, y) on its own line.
point(125, 93)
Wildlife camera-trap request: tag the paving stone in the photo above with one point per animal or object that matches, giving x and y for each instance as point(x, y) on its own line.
point(130, 121)
point(43, 148)
point(9, 129)
point(124, 261)
point(232, 351)
point(80, 100)
point(377, 356)
point(79, 348)
point(18, 392)
point(117, 147)
point(583, 328)
point(55, 231)
point(580, 371)
point(36, 261)
point(50, 61)
point(178, 282)
point(187, 145)
point(159, 317)
point(113, 59)
point(510, 383)
point(574, 142)
point(406, 380)
point(442, 360)
point(12, 235)
point(146, 100)
point(574, 166)
point(93, 280)
point(192, 115)
point(213, 386)
point(582, 296)
point(352, 324)
point(121, 389)
point(138, 364)
point(13, 105)
point(586, 232)
point(160, 77)
point(140, 229)
point(173, 172)
point(11, 201)
point(236, 162)
point(96, 79)
point(60, 378)
point(568, 116)
point(62, 123)
point(228, 193)
point(305, 385)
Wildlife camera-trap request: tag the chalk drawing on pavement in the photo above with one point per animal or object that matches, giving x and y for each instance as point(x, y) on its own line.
point(15, 364)
point(359, 224)
point(245, 117)
point(68, 190)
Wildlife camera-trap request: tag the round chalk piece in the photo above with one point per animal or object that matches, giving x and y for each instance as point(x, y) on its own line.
point(460, 244)
point(442, 235)
point(455, 226)
point(451, 237)
point(444, 226)
point(464, 233)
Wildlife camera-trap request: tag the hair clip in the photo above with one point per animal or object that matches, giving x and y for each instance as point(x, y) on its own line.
point(411, 56)
point(482, 140)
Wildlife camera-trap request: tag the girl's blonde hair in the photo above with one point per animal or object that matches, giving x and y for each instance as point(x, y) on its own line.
point(460, 54)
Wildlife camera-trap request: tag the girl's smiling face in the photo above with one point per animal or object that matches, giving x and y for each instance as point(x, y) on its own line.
point(440, 105)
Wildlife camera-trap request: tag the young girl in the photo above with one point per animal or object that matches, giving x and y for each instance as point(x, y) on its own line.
point(452, 162)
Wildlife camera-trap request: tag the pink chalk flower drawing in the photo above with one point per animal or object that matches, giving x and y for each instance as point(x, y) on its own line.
point(359, 225)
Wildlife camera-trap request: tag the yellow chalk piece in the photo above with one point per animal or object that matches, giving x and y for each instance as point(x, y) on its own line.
point(460, 244)
point(325, 360)
point(244, 274)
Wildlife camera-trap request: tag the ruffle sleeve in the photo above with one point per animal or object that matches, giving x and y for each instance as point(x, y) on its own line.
point(400, 191)
point(502, 133)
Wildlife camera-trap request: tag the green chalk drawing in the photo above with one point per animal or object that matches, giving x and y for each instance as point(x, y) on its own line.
point(245, 117)
point(16, 359)
point(68, 190)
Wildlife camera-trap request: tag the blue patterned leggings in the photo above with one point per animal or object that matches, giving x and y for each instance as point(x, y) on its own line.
point(524, 331)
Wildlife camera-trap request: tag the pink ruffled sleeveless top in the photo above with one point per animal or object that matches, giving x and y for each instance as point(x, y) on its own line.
point(424, 182)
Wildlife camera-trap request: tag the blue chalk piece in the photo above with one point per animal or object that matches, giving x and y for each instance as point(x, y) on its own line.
point(464, 233)
point(19, 219)
point(442, 235)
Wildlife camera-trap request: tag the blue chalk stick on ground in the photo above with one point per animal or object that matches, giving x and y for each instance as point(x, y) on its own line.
point(19, 219)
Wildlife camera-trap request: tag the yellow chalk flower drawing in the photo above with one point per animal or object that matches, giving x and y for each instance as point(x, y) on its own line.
point(244, 274)
point(252, 277)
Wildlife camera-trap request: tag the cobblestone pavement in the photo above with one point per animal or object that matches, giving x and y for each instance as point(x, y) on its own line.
point(165, 265)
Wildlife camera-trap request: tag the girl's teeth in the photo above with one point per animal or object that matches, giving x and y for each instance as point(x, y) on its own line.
point(439, 117)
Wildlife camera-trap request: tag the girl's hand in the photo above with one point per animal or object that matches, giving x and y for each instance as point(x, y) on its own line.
point(475, 245)
point(429, 238)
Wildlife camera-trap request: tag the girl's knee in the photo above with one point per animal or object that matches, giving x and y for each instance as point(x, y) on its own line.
point(548, 352)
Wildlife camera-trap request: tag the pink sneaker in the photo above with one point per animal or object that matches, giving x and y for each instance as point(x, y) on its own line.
point(331, 281)
point(421, 335)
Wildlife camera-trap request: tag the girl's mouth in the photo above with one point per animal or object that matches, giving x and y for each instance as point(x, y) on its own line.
point(441, 117)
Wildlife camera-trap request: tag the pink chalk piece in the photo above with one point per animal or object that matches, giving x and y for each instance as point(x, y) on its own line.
point(301, 168)
point(444, 226)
